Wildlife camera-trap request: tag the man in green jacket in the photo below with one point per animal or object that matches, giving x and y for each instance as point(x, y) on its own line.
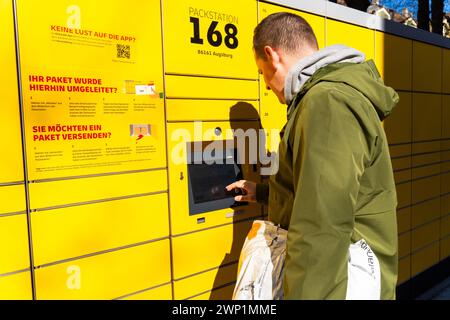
point(334, 185)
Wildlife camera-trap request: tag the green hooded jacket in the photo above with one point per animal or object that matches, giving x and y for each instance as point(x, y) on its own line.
point(335, 184)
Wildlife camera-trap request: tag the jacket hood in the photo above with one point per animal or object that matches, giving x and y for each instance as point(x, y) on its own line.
point(363, 77)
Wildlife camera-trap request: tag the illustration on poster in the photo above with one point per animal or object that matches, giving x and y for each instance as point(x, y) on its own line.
point(140, 130)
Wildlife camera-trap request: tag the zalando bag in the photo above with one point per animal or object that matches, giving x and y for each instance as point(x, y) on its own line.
point(261, 266)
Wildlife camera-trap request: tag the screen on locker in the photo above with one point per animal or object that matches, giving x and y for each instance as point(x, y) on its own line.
point(207, 182)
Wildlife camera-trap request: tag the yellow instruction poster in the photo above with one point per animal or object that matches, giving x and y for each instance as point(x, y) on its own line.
point(11, 141)
point(92, 86)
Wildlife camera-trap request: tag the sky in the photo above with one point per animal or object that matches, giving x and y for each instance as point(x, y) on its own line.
point(398, 5)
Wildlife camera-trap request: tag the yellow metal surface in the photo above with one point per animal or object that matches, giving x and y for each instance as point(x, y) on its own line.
point(401, 163)
point(445, 183)
point(445, 226)
point(427, 67)
point(13, 199)
point(209, 37)
point(445, 248)
point(404, 269)
point(16, 286)
point(404, 219)
point(426, 159)
point(445, 205)
point(424, 235)
point(210, 88)
point(426, 171)
point(393, 57)
point(14, 253)
point(160, 293)
point(208, 249)
point(446, 115)
point(273, 114)
point(74, 231)
point(192, 286)
point(357, 37)
point(106, 276)
point(224, 293)
point(445, 66)
point(181, 133)
point(404, 244)
point(445, 147)
point(423, 259)
point(402, 176)
point(423, 147)
point(426, 188)
point(425, 212)
point(400, 150)
point(11, 141)
point(398, 124)
point(426, 116)
point(53, 193)
point(182, 110)
point(445, 164)
point(403, 194)
point(91, 86)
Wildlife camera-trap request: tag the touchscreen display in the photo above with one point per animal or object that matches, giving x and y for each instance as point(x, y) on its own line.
point(208, 175)
point(208, 181)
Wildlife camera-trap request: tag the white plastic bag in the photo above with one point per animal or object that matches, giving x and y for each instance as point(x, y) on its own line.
point(261, 266)
point(260, 275)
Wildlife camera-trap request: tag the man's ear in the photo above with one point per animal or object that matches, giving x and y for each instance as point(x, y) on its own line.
point(272, 56)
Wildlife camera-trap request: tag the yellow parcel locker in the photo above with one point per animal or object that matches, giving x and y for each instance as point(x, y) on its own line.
point(74, 231)
point(398, 124)
point(192, 110)
point(425, 212)
point(204, 157)
point(403, 219)
point(13, 199)
point(425, 188)
point(14, 253)
point(160, 293)
point(445, 66)
point(186, 87)
point(404, 244)
point(446, 115)
point(424, 235)
point(61, 192)
point(198, 98)
point(426, 117)
point(223, 293)
point(92, 86)
point(393, 57)
point(207, 249)
point(209, 38)
point(427, 67)
point(205, 281)
point(106, 276)
point(445, 248)
point(404, 269)
point(354, 36)
point(273, 113)
point(425, 258)
point(16, 286)
point(11, 162)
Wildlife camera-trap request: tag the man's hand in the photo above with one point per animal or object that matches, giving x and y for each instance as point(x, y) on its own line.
point(248, 190)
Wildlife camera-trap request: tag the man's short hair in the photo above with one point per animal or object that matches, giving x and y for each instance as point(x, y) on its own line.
point(285, 31)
